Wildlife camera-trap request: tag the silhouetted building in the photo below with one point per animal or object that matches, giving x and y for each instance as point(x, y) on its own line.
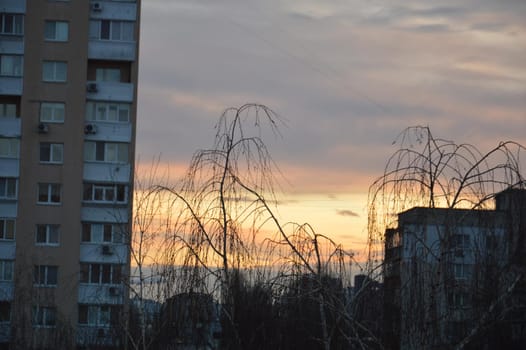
point(457, 275)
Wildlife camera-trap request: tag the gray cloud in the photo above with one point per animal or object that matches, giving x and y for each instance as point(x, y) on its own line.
point(347, 75)
point(346, 212)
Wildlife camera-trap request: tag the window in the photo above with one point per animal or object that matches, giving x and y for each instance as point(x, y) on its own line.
point(458, 299)
point(5, 311)
point(49, 193)
point(54, 71)
point(462, 271)
point(47, 235)
point(52, 112)
point(9, 147)
point(45, 275)
point(103, 232)
point(98, 315)
point(6, 270)
point(11, 24)
point(110, 152)
point(108, 112)
point(104, 193)
point(8, 110)
point(7, 229)
point(8, 187)
point(51, 153)
point(108, 74)
point(100, 273)
point(56, 31)
point(461, 241)
point(111, 30)
point(44, 316)
point(11, 65)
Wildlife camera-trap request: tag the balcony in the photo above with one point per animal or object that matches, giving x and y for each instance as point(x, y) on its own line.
point(104, 253)
point(112, 50)
point(100, 213)
point(108, 91)
point(9, 168)
point(10, 85)
point(100, 294)
point(13, 6)
point(8, 209)
point(102, 131)
point(10, 127)
point(103, 172)
point(117, 10)
point(13, 45)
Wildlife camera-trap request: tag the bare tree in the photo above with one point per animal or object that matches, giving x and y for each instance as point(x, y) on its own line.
point(431, 172)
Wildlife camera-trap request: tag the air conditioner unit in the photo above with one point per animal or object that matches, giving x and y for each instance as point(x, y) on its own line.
point(92, 87)
point(114, 291)
point(96, 7)
point(42, 128)
point(90, 129)
point(106, 250)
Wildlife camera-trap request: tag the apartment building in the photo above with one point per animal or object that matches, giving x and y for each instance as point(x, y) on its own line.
point(68, 92)
point(457, 276)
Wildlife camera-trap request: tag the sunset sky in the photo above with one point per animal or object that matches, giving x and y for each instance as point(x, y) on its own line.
point(347, 76)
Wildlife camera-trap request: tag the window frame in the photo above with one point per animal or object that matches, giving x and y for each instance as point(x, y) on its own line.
point(7, 270)
point(49, 151)
point(45, 276)
point(98, 232)
point(4, 229)
point(51, 188)
point(56, 75)
point(94, 315)
point(57, 112)
point(44, 316)
point(5, 109)
point(17, 23)
point(101, 274)
point(12, 145)
point(102, 151)
point(55, 30)
point(102, 111)
point(17, 67)
point(48, 230)
point(112, 30)
point(8, 188)
point(99, 192)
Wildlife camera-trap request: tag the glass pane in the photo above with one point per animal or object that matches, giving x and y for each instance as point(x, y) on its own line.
point(84, 273)
point(58, 153)
point(49, 30)
point(106, 273)
point(123, 153)
point(94, 29)
point(10, 110)
point(124, 111)
point(105, 30)
point(59, 112)
point(111, 152)
point(99, 194)
point(45, 152)
point(48, 71)
point(101, 111)
point(112, 112)
point(55, 193)
point(107, 232)
point(110, 194)
point(127, 31)
point(100, 151)
point(95, 273)
point(89, 151)
point(11, 188)
point(96, 233)
point(86, 233)
point(41, 234)
point(9, 229)
point(53, 234)
point(115, 30)
point(61, 71)
point(52, 275)
point(43, 192)
point(88, 189)
point(62, 31)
